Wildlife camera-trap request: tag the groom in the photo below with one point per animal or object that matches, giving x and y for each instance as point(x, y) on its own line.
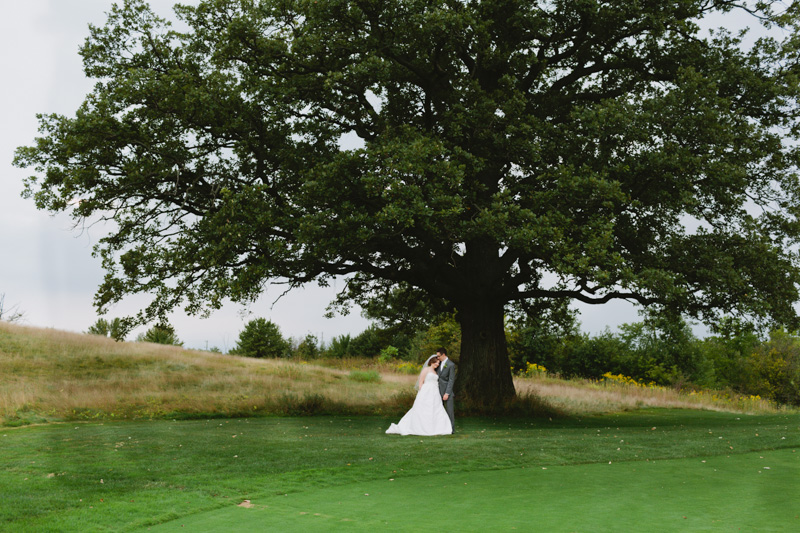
point(447, 378)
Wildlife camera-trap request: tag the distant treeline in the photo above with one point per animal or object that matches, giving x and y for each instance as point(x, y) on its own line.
point(655, 350)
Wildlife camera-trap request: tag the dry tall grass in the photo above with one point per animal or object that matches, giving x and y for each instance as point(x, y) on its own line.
point(590, 397)
point(47, 374)
point(56, 374)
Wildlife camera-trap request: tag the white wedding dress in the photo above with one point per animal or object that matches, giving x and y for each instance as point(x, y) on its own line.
point(427, 416)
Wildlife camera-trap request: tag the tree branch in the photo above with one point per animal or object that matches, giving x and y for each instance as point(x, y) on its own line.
point(578, 295)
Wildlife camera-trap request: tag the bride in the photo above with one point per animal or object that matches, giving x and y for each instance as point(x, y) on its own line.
point(427, 416)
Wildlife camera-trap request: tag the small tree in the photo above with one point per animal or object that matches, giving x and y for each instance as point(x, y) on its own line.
point(261, 338)
point(106, 328)
point(162, 333)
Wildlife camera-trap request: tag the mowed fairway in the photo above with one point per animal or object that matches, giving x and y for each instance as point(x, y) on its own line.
point(749, 492)
point(639, 471)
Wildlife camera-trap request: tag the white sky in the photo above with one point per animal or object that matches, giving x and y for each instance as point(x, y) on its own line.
point(46, 268)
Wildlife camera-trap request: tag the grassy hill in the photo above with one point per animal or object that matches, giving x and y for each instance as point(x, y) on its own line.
point(48, 375)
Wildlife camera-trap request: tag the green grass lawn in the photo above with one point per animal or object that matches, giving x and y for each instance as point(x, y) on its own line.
point(751, 492)
point(124, 476)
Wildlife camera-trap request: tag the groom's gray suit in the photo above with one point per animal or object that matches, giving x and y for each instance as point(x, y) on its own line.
point(447, 378)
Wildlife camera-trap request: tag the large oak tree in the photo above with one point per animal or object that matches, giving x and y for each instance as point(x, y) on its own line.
point(478, 152)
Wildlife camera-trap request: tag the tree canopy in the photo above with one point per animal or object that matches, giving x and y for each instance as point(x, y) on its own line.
point(476, 152)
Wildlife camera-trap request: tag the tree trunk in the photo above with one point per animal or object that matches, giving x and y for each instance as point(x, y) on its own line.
point(484, 382)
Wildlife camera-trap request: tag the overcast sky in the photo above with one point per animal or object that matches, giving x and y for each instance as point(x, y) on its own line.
point(46, 268)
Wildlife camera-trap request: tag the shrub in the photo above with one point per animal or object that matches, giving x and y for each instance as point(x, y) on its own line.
point(261, 338)
point(339, 347)
point(773, 369)
point(162, 333)
point(308, 348)
point(388, 354)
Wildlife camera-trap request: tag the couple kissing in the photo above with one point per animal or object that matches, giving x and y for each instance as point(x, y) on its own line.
point(433, 409)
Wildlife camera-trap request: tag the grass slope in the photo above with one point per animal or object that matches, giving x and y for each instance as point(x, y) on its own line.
point(50, 375)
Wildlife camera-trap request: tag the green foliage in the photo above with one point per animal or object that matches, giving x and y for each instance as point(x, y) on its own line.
point(660, 349)
point(535, 332)
point(773, 369)
point(505, 153)
point(162, 333)
point(339, 347)
point(399, 308)
point(728, 352)
point(445, 333)
point(308, 348)
point(261, 338)
point(368, 343)
point(664, 350)
point(388, 354)
point(589, 357)
point(113, 329)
